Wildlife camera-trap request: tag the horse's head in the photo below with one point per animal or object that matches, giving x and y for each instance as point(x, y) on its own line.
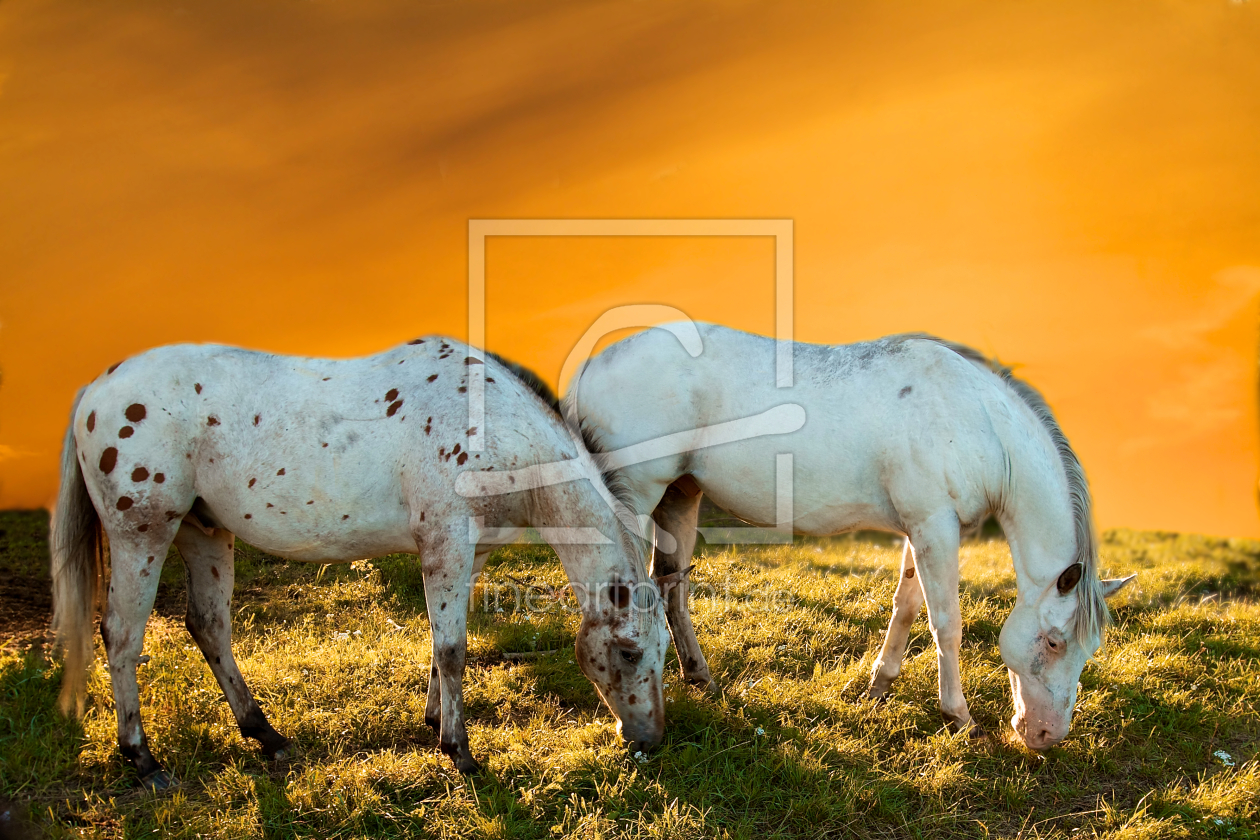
point(621, 649)
point(1045, 646)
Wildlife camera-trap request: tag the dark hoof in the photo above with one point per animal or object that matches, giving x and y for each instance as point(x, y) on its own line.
point(288, 752)
point(158, 780)
point(461, 758)
point(978, 733)
point(706, 684)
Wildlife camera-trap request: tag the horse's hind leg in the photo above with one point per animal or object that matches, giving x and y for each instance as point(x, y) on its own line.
point(210, 571)
point(447, 563)
point(907, 602)
point(677, 514)
point(135, 565)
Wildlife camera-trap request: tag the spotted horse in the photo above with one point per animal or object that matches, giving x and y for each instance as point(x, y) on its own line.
point(323, 460)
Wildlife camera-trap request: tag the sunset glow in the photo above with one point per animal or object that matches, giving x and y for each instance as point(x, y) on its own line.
point(1073, 187)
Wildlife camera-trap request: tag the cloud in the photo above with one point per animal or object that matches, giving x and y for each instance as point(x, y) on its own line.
point(8, 453)
point(1211, 385)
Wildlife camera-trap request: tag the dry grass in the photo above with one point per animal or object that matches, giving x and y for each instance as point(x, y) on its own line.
point(339, 661)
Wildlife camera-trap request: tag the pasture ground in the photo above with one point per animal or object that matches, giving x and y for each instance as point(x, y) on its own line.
point(338, 658)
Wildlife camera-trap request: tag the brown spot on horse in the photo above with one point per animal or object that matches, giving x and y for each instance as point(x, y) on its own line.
point(126, 432)
point(257, 417)
point(159, 477)
point(393, 408)
point(143, 528)
point(909, 573)
point(112, 368)
point(280, 471)
point(214, 570)
point(139, 474)
point(108, 458)
point(91, 422)
point(135, 412)
point(463, 456)
point(251, 482)
point(249, 516)
point(431, 378)
point(198, 387)
point(391, 395)
point(124, 503)
point(416, 341)
point(212, 420)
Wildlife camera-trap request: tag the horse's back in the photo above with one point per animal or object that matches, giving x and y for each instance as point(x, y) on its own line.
point(308, 458)
point(890, 424)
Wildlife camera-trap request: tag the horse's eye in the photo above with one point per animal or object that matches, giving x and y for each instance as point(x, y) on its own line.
point(1053, 645)
point(631, 656)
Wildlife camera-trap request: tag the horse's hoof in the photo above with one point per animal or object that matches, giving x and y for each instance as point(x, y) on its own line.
point(461, 758)
point(708, 685)
point(288, 752)
point(978, 733)
point(159, 780)
point(879, 688)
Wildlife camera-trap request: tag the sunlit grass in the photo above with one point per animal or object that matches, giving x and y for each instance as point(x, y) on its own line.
point(339, 659)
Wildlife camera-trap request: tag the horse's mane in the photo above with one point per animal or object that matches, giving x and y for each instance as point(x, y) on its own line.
point(1092, 615)
point(617, 487)
point(530, 380)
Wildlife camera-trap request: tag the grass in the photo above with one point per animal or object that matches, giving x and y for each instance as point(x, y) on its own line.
point(338, 658)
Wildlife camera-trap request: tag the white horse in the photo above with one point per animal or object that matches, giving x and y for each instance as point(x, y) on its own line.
point(328, 461)
point(908, 434)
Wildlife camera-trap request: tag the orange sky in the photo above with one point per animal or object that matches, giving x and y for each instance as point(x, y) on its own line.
point(1073, 186)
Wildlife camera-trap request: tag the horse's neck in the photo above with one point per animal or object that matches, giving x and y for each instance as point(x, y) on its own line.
point(1037, 512)
point(592, 547)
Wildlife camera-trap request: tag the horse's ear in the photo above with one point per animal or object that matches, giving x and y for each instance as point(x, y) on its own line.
point(619, 594)
point(1070, 577)
point(1112, 586)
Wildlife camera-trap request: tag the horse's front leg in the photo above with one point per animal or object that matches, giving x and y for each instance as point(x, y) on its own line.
point(677, 514)
point(935, 546)
point(907, 602)
point(447, 565)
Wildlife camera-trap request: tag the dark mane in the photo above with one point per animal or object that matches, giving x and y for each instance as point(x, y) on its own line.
point(531, 380)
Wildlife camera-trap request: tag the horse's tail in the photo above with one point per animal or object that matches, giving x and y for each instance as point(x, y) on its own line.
point(75, 540)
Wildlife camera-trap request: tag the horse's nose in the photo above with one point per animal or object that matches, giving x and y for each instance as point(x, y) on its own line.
point(1035, 736)
point(641, 738)
point(1042, 740)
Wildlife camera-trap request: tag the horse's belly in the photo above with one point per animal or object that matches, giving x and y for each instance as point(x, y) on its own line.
point(821, 496)
point(314, 520)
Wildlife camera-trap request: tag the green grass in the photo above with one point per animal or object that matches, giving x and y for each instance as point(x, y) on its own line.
point(790, 749)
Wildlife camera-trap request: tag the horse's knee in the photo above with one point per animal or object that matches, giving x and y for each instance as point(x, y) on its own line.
point(449, 659)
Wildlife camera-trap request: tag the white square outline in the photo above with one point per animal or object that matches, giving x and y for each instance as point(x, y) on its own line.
point(782, 231)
